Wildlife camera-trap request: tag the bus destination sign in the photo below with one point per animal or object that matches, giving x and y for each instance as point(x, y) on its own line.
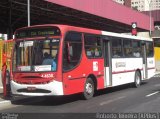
point(37, 32)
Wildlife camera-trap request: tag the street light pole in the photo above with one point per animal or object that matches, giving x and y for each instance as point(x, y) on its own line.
point(28, 9)
point(150, 18)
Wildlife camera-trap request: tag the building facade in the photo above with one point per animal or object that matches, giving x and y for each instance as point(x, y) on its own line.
point(138, 5)
point(119, 1)
point(141, 5)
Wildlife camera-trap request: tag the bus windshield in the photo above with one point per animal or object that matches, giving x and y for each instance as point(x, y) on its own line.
point(36, 55)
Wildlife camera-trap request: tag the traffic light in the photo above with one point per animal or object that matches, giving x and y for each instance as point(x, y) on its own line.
point(134, 28)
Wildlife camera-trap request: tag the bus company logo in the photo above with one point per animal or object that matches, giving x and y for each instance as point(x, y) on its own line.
point(120, 64)
point(95, 66)
point(47, 75)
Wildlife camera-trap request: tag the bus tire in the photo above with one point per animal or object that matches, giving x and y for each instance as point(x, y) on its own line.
point(137, 79)
point(88, 89)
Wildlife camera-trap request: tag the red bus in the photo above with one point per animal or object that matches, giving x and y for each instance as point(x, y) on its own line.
point(50, 60)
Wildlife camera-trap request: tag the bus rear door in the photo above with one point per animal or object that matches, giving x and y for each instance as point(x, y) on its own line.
point(144, 57)
point(107, 63)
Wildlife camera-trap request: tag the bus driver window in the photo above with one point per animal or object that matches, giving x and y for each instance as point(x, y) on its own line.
point(48, 60)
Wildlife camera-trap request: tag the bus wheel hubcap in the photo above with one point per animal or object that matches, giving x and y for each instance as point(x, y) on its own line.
point(138, 80)
point(89, 88)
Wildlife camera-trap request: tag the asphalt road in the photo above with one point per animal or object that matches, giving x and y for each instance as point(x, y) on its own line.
point(123, 99)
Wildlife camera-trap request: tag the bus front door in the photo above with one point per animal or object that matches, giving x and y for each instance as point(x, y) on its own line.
point(107, 63)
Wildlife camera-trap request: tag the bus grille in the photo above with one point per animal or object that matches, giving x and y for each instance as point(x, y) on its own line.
point(25, 90)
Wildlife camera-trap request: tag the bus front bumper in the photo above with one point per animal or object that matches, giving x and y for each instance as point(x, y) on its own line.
point(50, 89)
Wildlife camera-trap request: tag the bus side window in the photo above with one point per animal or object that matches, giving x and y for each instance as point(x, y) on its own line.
point(149, 48)
point(72, 50)
point(136, 49)
point(89, 53)
point(97, 52)
point(93, 46)
point(127, 48)
point(116, 48)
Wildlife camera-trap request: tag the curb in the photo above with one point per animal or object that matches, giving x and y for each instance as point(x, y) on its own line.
point(5, 103)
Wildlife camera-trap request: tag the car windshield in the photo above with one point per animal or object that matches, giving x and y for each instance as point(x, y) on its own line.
point(36, 55)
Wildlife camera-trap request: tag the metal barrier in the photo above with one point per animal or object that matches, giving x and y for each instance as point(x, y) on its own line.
point(5, 55)
point(1, 53)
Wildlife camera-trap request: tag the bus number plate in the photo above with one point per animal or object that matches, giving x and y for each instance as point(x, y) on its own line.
point(31, 88)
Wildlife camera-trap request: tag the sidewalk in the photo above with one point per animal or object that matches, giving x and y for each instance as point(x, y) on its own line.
point(157, 72)
point(1, 87)
point(0, 79)
point(1, 90)
point(3, 102)
point(1, 94)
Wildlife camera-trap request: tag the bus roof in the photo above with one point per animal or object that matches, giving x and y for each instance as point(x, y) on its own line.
point(87, 30)
point(125, 36)
point(64, 28)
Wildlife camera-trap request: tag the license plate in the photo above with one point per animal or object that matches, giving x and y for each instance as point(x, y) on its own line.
point(31, 88)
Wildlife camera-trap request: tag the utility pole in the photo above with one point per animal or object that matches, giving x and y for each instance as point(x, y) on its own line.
point(150, 17)
point(28, 9)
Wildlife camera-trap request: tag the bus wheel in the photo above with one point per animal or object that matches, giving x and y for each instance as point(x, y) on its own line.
point(88, 89)
point(137, 80)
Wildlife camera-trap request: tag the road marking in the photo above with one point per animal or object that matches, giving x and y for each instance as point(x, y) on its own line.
point(152, 94)
point(109, 101)
point(156, 75)
point(157, 85)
